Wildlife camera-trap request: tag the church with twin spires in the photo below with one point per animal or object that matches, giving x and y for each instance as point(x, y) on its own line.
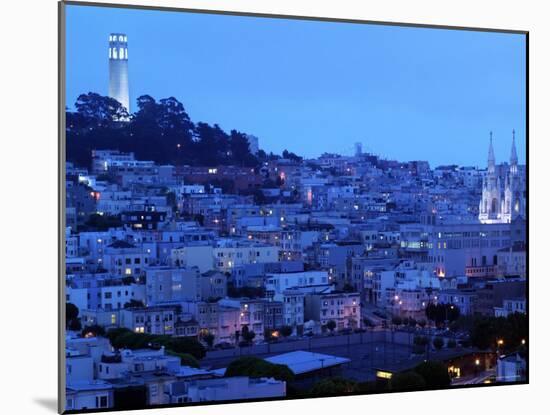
point(502, 204)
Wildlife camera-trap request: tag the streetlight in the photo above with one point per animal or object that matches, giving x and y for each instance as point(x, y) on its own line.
point(500, 342)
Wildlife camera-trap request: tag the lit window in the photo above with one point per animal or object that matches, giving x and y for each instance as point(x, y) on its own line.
point(110, 53)
point(121, 53)
point(115, 55)
point(120, 38)
point(126, 53)
point(383, 374)
point(128, 271)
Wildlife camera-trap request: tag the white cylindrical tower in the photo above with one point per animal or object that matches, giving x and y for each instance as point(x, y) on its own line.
point(118, 69)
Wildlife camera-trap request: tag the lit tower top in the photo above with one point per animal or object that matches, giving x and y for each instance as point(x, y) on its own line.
point(514, 154)
point(118, 69)
point(491, 158)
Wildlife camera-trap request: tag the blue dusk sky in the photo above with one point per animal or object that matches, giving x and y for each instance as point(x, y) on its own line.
point(313, 87)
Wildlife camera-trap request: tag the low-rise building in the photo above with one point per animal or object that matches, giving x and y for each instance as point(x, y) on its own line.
point(293, 309)
point(167, 284)
point(151, 320)
point(511, 306)
point(342, 308)
point(89, 395)
point(225, 389)
point(465, 300)
point(511, 368)
point(213, 285)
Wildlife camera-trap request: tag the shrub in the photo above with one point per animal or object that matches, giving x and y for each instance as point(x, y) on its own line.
point(71, 312)
point(209, 339)
point(286, 331)
point(334, 386)
point(186, 345)
point(127, 339)
point(438, 343)
point(420, 340)
point(397, 321)
point(418, 349)
point(74, 325)
point(94, 329)
point(407, 381)
point(186, 359)
point(257, 368)
point(435, 374)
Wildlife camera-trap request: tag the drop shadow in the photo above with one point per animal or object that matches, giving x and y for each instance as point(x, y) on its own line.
point(48, 403)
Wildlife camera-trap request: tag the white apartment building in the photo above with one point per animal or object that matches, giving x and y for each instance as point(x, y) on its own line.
point(124, 259)
point(229, 255)
point(309, 281)
point(200, 256)
point(166, 284)
point(104, 297)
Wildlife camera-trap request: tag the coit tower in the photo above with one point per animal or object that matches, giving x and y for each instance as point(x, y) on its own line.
point(118, 69)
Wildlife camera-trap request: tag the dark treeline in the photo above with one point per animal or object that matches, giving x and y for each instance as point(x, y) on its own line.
point(161, 131)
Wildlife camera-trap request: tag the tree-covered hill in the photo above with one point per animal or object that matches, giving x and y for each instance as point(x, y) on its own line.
point(161, 131)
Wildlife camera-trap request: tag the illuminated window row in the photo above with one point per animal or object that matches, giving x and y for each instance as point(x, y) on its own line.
point(120, 38)
point(120, 53)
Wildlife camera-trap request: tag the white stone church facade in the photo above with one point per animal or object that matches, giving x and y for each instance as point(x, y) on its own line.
point(503, 202)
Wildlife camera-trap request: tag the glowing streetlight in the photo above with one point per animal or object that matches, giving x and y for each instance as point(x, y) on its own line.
point(523, 341)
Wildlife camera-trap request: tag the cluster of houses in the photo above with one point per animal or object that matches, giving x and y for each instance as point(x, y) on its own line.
point(98, 378)
point(300, 247)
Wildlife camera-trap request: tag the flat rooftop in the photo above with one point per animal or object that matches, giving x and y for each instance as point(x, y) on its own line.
point(301, 361)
